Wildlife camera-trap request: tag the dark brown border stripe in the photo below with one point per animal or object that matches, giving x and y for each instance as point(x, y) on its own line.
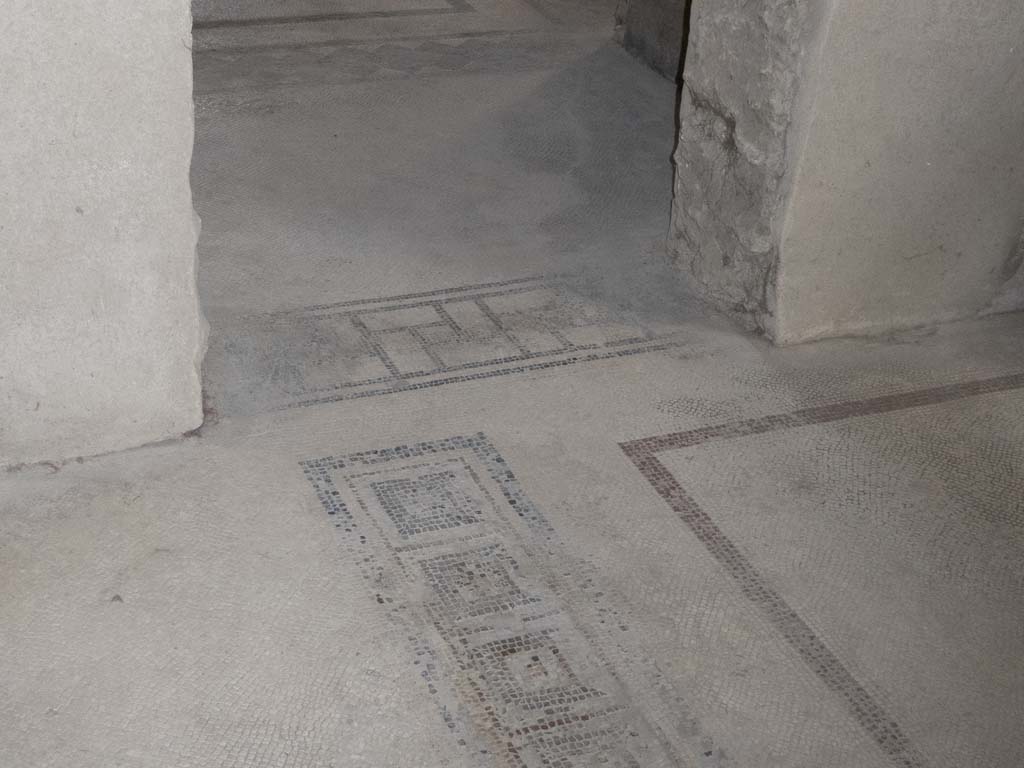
point(821, 414)
point(868, 712)
point(883, 729)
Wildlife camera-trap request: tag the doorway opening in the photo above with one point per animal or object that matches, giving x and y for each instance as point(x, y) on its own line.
point(397, 193)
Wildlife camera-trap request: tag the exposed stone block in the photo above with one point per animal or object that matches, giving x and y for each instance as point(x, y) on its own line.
point(740, 93)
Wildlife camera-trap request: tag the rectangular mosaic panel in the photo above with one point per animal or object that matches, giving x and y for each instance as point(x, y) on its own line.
point(218, 13)
point(460, 558)
point(230, 25)
point(358, 349)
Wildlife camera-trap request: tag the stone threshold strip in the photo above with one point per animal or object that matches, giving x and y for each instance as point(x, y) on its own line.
point(885, 731)
point(526, 666)
point(430, 339)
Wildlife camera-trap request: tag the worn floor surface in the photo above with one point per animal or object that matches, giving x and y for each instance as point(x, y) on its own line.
point(481, 487)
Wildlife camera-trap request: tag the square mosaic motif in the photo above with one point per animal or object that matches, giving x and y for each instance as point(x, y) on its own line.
point(531, 673)
point(582, 748)
point(442, 532)
point(428, 502)
point(475, 583)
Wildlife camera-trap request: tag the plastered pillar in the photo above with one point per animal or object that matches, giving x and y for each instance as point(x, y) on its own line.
point(852, 167)
point(101, 335)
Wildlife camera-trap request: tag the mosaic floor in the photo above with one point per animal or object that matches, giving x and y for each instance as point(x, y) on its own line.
point(481, 487)
point(404, 343)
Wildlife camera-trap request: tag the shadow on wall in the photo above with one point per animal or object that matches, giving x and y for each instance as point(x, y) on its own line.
point(655, 31)
point(1011, 294)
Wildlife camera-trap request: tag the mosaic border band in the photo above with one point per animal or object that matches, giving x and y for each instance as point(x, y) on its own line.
point(434, 338)
point(452, 6)
point(450, 545)
point(868, 713)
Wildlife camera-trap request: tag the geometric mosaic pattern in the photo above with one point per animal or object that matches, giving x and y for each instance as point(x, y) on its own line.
point(230, 14)
point(366, 348)
point(431, 501)
point(872, 716)
point(475, 582)
point(442, 531)
point(224, 25)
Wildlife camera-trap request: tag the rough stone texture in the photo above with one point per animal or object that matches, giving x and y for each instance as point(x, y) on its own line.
point(907, 208)
point(100, 330)
point(739, 101)
point(852, 167)
point(653, 30)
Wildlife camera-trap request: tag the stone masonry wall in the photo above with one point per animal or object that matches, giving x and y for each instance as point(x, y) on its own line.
point(741, 92)
point(852, 167)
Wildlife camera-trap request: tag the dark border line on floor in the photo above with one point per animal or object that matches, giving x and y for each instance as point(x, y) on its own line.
point(885, 731)
point(547, 364)
point(353, 41)
point(437, 294)
point(404, 381)
point(270, 21)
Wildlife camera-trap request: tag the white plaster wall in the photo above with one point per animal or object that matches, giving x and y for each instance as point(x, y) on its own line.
point(908, 200)
point(101, 336)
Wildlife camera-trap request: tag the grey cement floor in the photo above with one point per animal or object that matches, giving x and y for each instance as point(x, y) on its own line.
point(480, 485)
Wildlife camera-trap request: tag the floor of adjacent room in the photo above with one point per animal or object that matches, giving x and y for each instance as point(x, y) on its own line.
point(480, 484)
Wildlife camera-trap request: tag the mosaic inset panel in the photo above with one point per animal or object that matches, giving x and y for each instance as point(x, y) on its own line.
point(361, 349)
point(461, 560)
